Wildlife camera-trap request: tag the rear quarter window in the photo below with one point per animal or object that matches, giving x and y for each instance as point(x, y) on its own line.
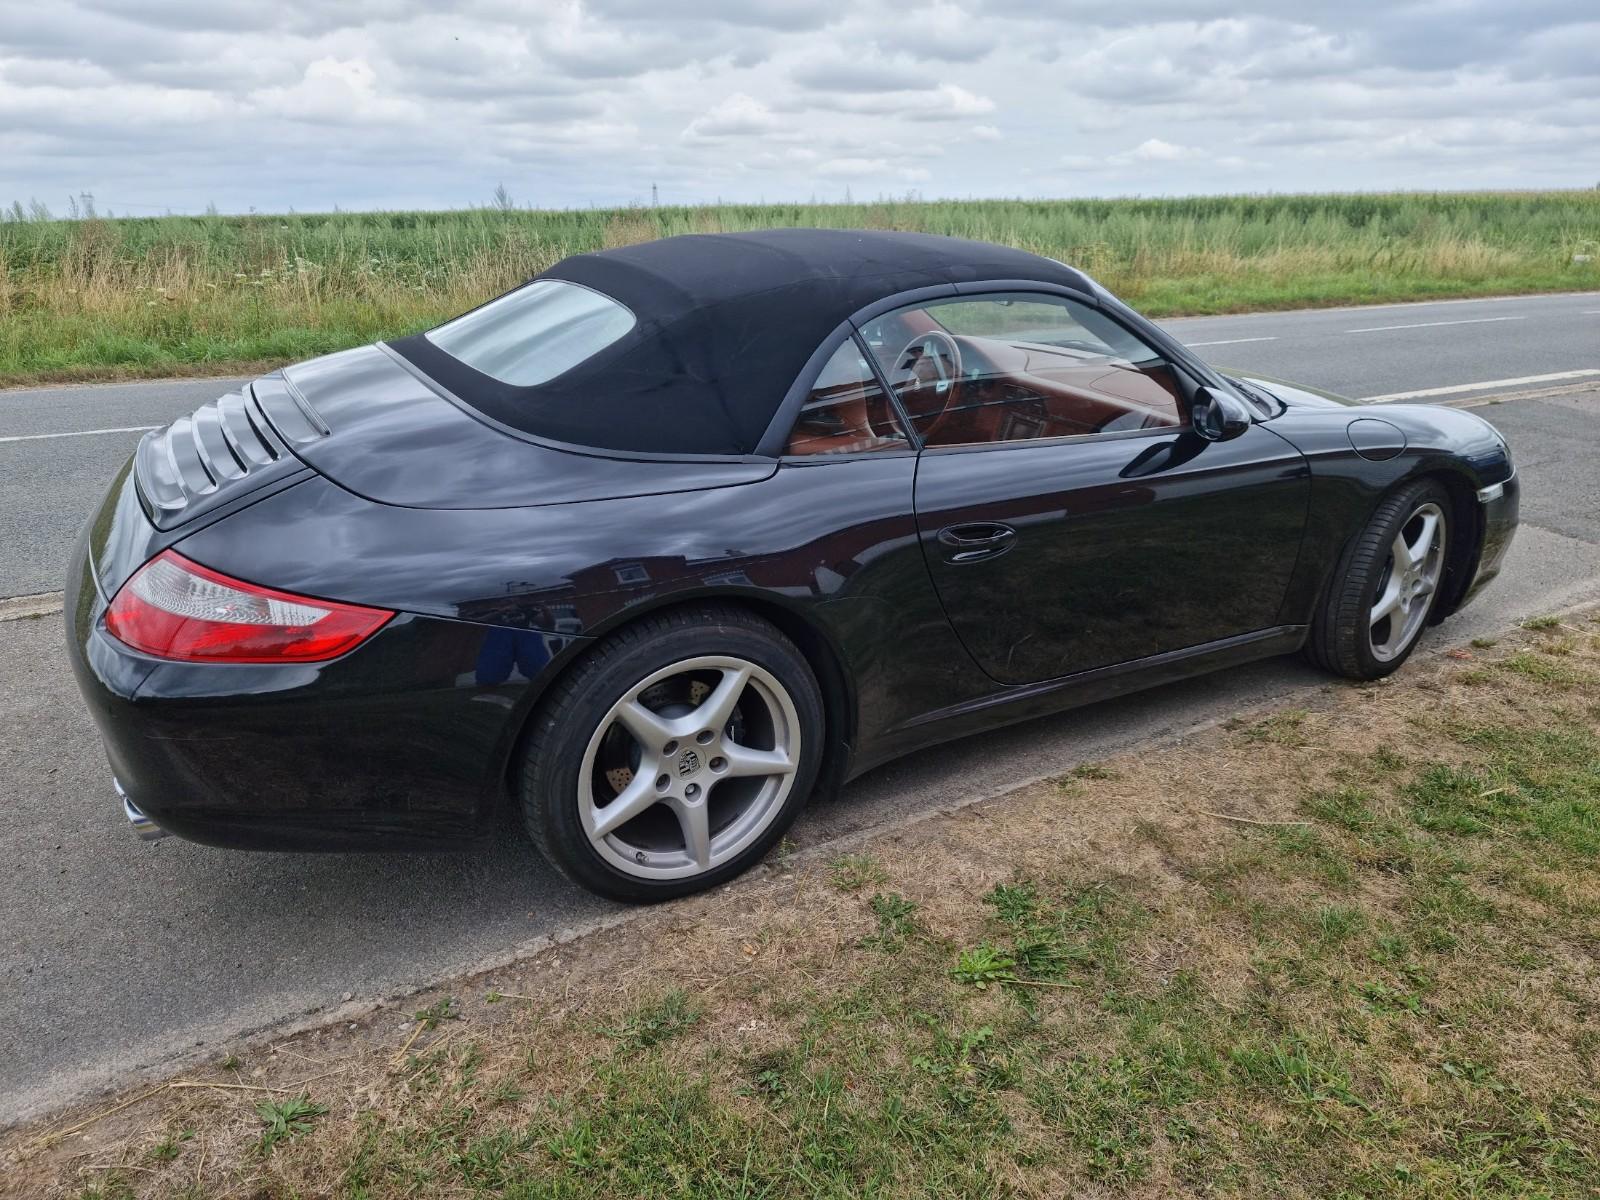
point(535, 333)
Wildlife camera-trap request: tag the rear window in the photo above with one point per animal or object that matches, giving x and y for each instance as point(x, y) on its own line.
point(535, 333)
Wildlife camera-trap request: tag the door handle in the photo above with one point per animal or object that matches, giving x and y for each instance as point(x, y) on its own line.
point(973, 543)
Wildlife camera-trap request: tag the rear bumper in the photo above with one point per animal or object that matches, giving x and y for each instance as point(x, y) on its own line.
point(401, 744)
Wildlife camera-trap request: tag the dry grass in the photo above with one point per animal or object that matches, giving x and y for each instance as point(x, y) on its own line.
point(1384, 984)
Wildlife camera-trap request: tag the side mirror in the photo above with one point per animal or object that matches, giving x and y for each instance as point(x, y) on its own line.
point(1217, 416)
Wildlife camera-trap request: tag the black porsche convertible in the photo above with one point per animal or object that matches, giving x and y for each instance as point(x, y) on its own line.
point(671, 537)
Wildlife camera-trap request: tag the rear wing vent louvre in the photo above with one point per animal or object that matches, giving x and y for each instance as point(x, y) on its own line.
point(219, 446)
point(288, 411)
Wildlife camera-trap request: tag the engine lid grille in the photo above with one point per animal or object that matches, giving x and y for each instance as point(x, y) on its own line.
point(226, 446)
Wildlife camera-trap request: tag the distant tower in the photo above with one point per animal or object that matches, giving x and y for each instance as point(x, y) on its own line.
point(654, 197)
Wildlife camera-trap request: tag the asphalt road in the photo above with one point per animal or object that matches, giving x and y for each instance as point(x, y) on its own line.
point(55, 463)
point(1451, 347)
point(117, 955)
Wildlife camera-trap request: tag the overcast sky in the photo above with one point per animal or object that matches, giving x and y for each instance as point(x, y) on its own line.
point(307, 104)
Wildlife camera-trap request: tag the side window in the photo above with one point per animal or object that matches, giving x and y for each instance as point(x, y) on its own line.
point(846, 411)
point(1015, 367)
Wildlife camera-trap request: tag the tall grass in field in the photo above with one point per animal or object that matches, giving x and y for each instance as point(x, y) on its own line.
point(169, 294)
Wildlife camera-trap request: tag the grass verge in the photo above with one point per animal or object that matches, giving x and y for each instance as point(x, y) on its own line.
point(1338, 950)
point(137, 297)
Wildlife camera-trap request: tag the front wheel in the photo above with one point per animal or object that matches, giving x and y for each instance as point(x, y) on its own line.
point(674, 756)
point(1385, 586)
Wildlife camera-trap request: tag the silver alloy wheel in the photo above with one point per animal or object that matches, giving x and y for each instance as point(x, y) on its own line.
point(1410, 577)
point(683, 760)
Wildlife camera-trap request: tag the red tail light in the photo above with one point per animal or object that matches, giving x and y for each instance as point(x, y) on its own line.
point(174, 608)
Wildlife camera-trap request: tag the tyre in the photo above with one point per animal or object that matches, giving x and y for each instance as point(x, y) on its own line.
point(674, 755)
point(1385, 586)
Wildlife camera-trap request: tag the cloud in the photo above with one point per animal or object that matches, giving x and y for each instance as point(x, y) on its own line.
point(1216, 61)
point(583, 48)
point(785, 15)
point(737, 116)
point(947, 102)
point(248, 16)
point(336, 91)
point(386, 103)
point(871, 170)
point(852, 168)
point(829, 73)
point(937, 33)
point(1154, 150)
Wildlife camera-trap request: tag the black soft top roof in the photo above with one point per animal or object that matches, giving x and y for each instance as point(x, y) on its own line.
point(725, 324)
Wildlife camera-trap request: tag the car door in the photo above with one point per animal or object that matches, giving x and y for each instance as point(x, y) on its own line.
point(1068, 514)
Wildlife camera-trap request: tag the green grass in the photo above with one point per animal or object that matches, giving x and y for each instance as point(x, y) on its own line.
point(853, 872)
point(134, 296)
point(1345, 1067)
point(442, 1010)
point(1541, 668)
point(897, 920)
point(1091, 770)
point(1375, 1046)
point(655, 1022)
point(284, 1119)
point(1281, 729)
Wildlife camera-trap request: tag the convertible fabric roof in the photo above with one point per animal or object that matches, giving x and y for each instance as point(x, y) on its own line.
point(725, 324)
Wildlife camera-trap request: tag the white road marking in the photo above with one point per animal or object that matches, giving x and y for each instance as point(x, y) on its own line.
point(1232, 341)
point(1486, 385)
point(15, 608)
point(1432, 324)
point(1529, 297)
point(39, 437)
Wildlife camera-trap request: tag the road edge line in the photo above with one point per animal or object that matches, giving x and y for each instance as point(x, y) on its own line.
point(22, 608)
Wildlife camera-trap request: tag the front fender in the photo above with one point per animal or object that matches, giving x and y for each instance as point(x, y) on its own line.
point(1352, 472)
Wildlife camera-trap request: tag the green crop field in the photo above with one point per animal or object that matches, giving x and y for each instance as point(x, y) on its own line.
point(106, 298)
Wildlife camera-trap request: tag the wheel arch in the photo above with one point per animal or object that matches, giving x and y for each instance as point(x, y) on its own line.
point(1466, 532)
point(1466, 536)
point(816, 646)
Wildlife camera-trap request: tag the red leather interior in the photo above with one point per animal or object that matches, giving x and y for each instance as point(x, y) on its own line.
point(1006, 388)
point(1023, 389)
point(844, 419)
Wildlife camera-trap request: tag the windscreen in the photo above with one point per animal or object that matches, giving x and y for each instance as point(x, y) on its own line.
point(535, 333)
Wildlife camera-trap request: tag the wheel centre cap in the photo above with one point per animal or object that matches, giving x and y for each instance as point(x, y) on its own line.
point(688, 764)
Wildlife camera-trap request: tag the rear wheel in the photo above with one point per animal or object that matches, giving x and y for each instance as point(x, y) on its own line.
point(1385, 586)
point(674, 756)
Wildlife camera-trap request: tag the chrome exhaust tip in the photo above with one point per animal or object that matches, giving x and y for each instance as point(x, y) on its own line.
point(146, 829)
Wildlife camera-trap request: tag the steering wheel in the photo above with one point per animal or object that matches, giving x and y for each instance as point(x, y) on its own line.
point(927, 378)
